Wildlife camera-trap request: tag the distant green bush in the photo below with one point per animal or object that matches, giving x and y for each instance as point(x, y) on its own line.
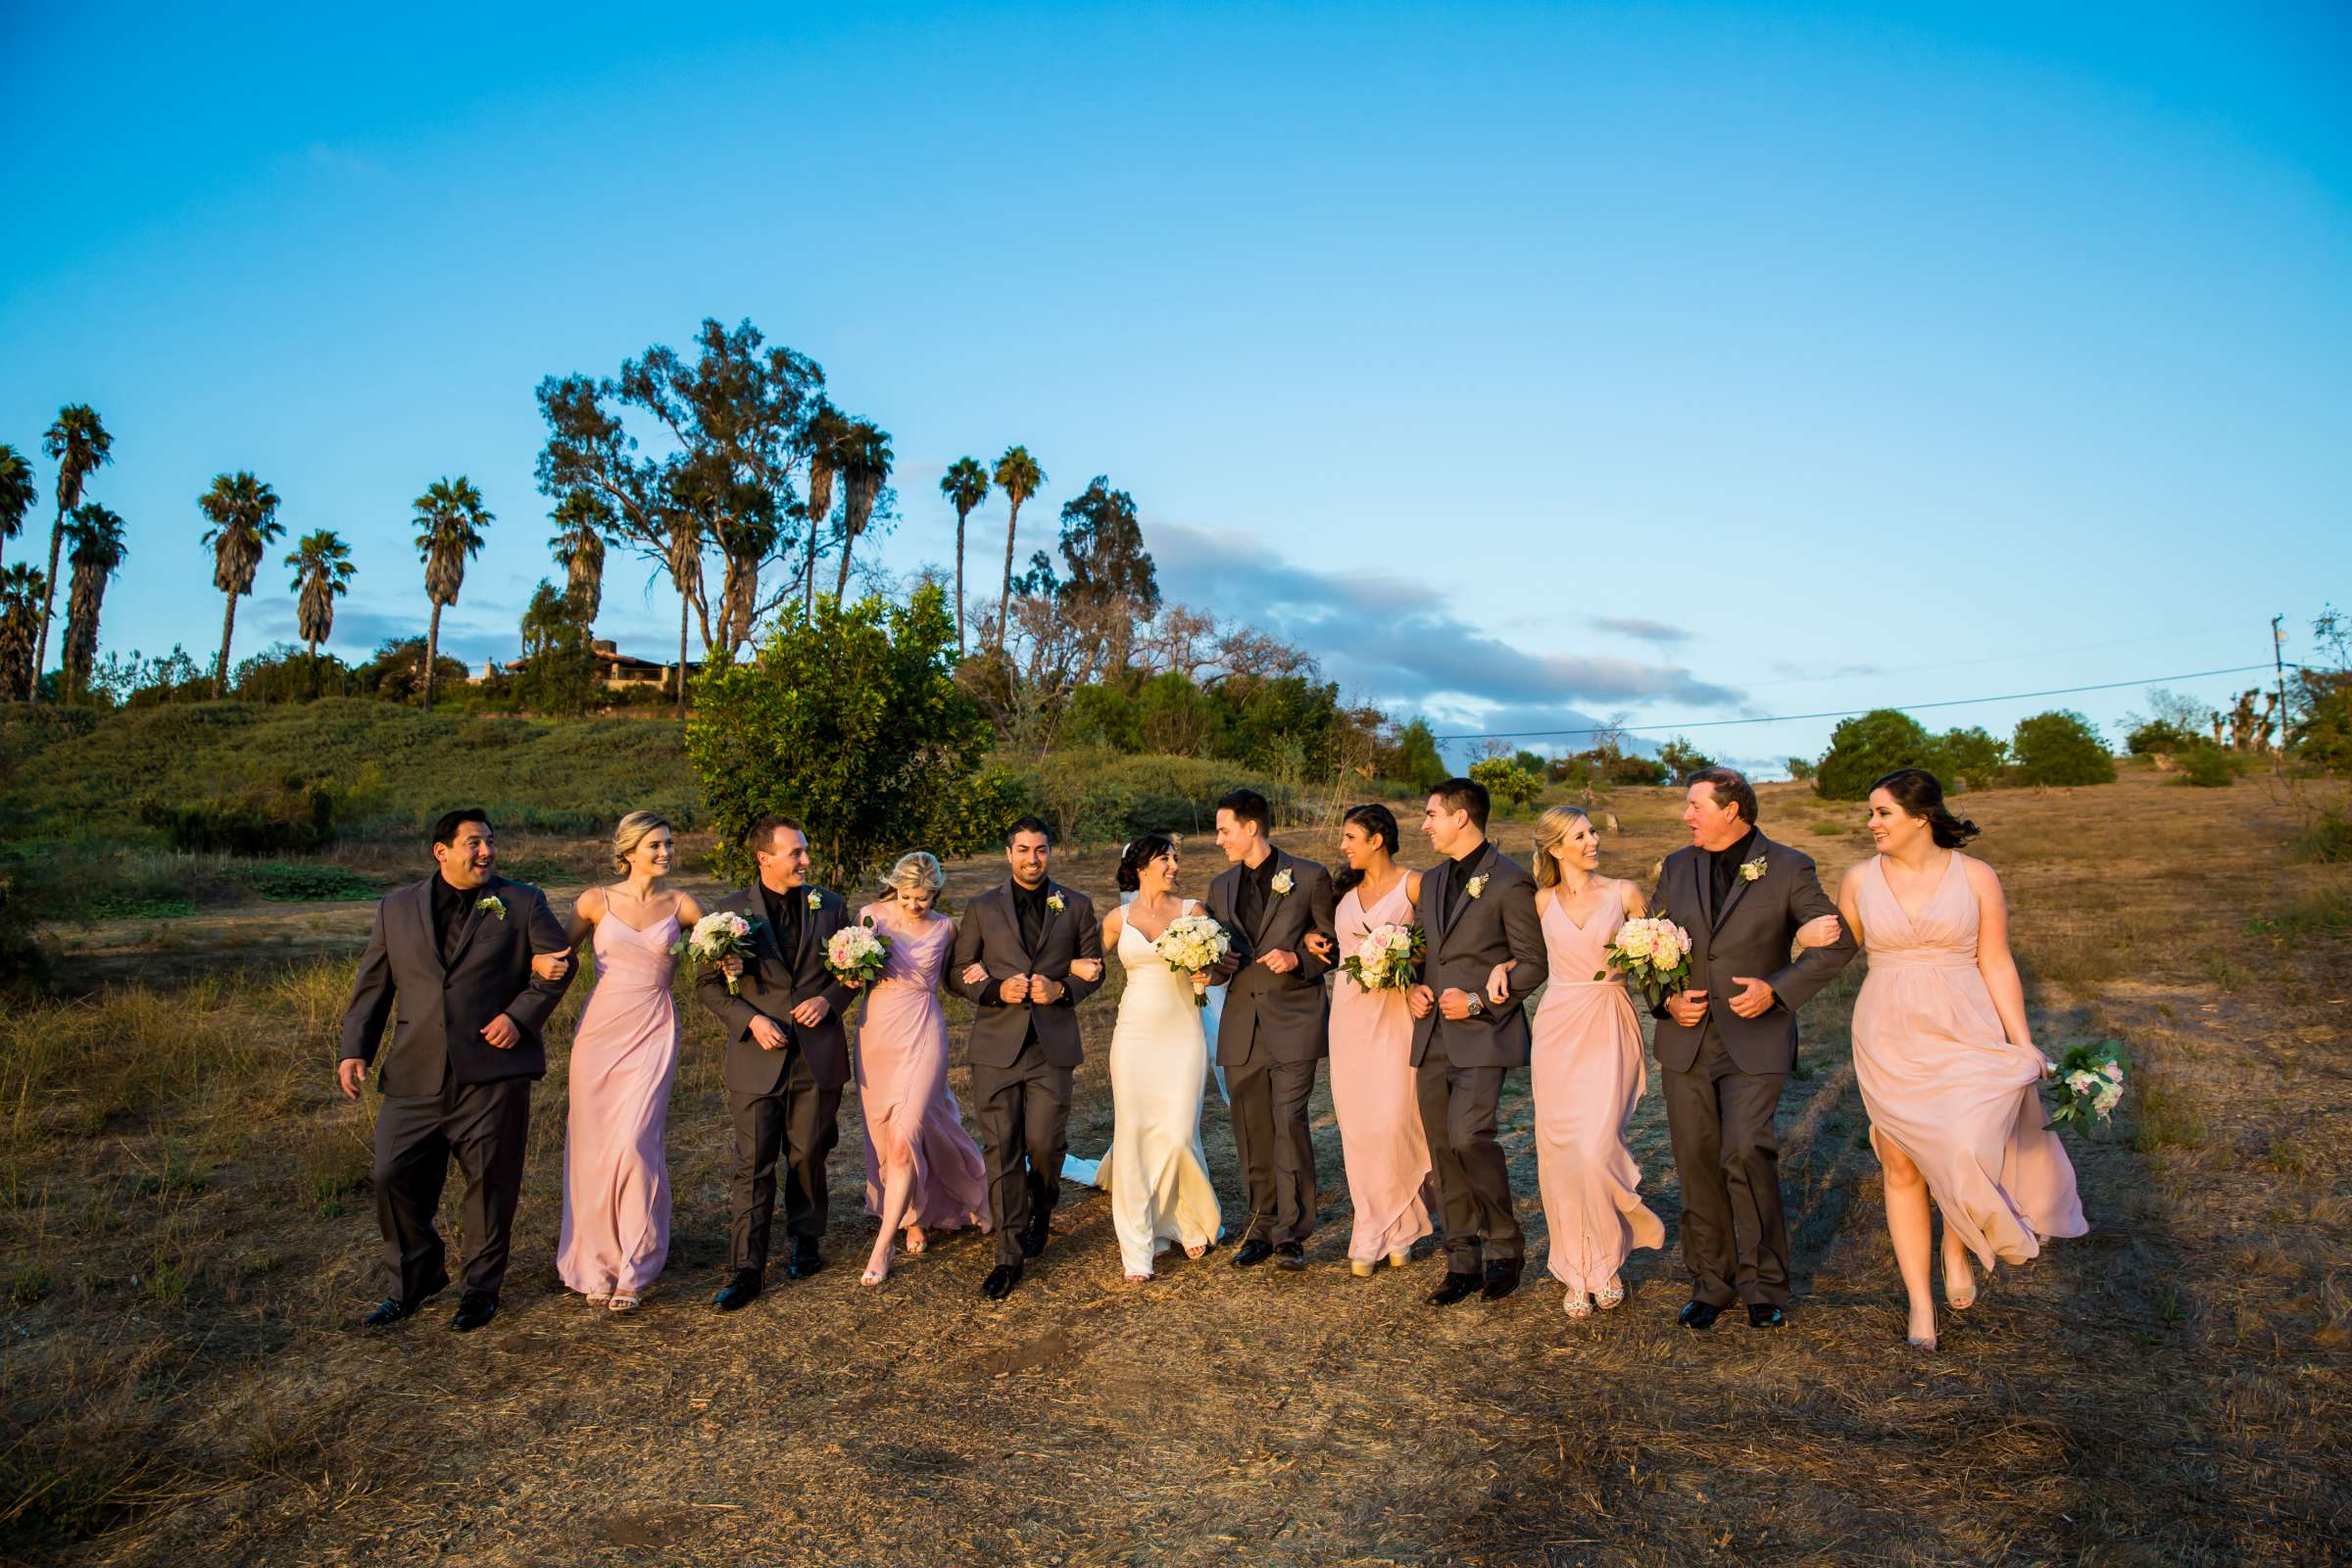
point(1867, 747)
point(2205, 765)
point(1103, 797)
point(2156, 735)
point(1510, 787)
point(2061, 748)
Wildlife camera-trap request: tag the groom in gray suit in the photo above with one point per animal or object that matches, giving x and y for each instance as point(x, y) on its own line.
point(1277, 913)
point(1728, 1042)
point(455, 950)
point(1478, 916)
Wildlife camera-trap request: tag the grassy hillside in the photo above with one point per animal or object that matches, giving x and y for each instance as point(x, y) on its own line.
point(77, 773)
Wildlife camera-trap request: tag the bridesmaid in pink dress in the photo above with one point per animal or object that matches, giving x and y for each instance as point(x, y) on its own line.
point(1372, 1091)
point(922, 1169)
point(1586, 1070)
point(624, 1054)
point(1943, 1054)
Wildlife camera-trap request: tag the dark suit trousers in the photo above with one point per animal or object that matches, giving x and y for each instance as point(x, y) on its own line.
point(1474, 1181)
point(485, 1128)
point(795, 1125)
point(1728, 1154)
point(1024, 1116)
point(1267, 1101)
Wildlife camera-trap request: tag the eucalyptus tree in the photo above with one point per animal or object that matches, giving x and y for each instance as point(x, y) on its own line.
point(17, 492)
point(22, 592)
point(864, 467)
point(1018, 476)
point(82, 446)
point(965, 485)
point(450, 517)
point(582, 520)
point(243, 513)
point(95, 534)
point(323, 572)
point(827, 439)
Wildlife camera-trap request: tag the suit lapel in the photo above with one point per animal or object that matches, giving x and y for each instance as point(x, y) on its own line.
point(1013, 920)
point(800, 953)
point(1265, 908)
point(1763, 849)
point(1434, 897)
point(476, 916)
point(1702, 884)
point(424, 924)
point(1457, 900)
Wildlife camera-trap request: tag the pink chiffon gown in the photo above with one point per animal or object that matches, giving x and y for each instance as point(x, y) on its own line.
point(1587, 1072)
point(910, 1115)
point(1940, 1079)
point(616, 1232)
point(1372, 1093)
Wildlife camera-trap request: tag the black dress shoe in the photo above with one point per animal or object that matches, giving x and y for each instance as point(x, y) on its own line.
point(1699, 1315)
point(1033, 1238)
point(473, 1311)
point(388, 1311)
point(1764, 1315)
point(1457, 1287)
point(739, 1291)
point(1256, 1251)
point(1502, 1278)
point(1001, 1281)
point(806, 1260)
point(1290, 1255)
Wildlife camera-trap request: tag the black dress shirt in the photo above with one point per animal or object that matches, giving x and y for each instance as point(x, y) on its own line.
point(784, 915)
point(1029, 903)
point(449, 905)
point(1723, 865)
point(1257, 888)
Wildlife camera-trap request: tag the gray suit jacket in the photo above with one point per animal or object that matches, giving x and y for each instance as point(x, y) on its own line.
point(990, 935)
point(773, 982)
point(1467, 937)
point(444, 1008)
point(1750, 935)
point(1289, 1013)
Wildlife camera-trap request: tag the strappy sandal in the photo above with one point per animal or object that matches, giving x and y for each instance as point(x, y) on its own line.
point(1610, 1295)
point(596, 1297)
point(916, 1240)
point(621, 1301)
point(1577, 1306)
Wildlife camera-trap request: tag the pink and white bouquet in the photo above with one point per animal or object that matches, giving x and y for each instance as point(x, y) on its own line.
point(1655, 953)
point(714, 939)
point(2088, 1084)
point(855, 955)
point(1193, 945)
point(1388, 958)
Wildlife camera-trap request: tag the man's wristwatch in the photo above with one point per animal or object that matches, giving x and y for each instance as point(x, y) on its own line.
point(1478, 1006)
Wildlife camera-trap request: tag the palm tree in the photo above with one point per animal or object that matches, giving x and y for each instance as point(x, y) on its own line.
point(243, 513)
point(80, 444)
point(17, 492)
point(98, 550)
point(864, 465)
point(323, 570)
point(21, 591)
point(453, 518)
point(828, 434)
point(965, 485)
point(579, 548)
point(1018, 476)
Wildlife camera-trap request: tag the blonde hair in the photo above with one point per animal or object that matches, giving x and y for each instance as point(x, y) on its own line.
point(1551, 831)
point(916, 869)
point(635, 828)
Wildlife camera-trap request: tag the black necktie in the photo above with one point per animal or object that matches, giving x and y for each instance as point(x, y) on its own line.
point(1031, 904)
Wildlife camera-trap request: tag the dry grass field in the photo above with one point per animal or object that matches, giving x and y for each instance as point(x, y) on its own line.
point(184, 1228)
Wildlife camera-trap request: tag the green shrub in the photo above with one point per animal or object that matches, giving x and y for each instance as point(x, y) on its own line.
point(2205, 765)
point(1800, 768)
point(1509, 786)
point(293, 814)
point(290, 882)
point(1680, 759)
point(1866, 748)
point(2156, 735)
point(2327, 838)
point(1101, 797)
point(2061, 748)
point(1969, 759)
point(1633, 769)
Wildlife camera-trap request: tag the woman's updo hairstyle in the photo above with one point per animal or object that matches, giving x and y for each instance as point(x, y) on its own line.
point(1916, 791)
point(635, 828)
point(915, 871)
point(1139, 854)
point(1380, 824)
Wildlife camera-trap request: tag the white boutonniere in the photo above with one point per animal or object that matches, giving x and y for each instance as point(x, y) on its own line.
point(817, 900)
point(490, 905)
point(1282, 884)
point(1475, 886)
point(1753, 871)
point(1057, 903)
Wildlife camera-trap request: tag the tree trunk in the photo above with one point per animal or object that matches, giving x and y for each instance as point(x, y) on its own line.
point(312, 649)
point(229, 628)
point(682, 605)
point(1005, 599)
point(841, 584)
point(432, 654)
point(40, 652)
point(960, 517)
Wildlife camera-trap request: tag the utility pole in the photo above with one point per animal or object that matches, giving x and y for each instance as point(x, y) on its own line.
point(2278, 665)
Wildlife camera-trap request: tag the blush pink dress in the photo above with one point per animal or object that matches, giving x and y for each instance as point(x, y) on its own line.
point(910, 1115)
point(1585, 1066)
point(615, 1231)
point(1372, 1094)
point(1940, 1079)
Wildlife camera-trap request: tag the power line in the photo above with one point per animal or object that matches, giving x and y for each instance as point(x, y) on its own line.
point(1848, 712)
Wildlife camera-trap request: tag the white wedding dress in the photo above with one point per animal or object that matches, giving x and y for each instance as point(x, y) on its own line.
point(1159, 1187)
point(1097, 1172)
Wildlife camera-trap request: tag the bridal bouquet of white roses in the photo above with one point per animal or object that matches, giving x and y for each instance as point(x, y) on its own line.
point(1655, 953)
point(1387, 959)
point(1193, 945)
point(2090, 1084)
point(714, 939)
point(855, 954)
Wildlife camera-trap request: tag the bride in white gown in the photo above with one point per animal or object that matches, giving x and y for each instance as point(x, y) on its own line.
point(1159, 1187)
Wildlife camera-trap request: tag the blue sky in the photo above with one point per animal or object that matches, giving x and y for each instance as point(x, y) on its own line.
point(1524, 362)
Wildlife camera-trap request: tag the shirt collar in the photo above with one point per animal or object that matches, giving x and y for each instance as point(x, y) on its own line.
point(1737, 853)
point(1464, 863)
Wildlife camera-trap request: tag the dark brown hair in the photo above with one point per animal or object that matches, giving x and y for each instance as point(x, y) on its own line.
point(1138, 853)
point(1731, 787)
point(1917, 792)
point(1465, 795)
point(1381, 823)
